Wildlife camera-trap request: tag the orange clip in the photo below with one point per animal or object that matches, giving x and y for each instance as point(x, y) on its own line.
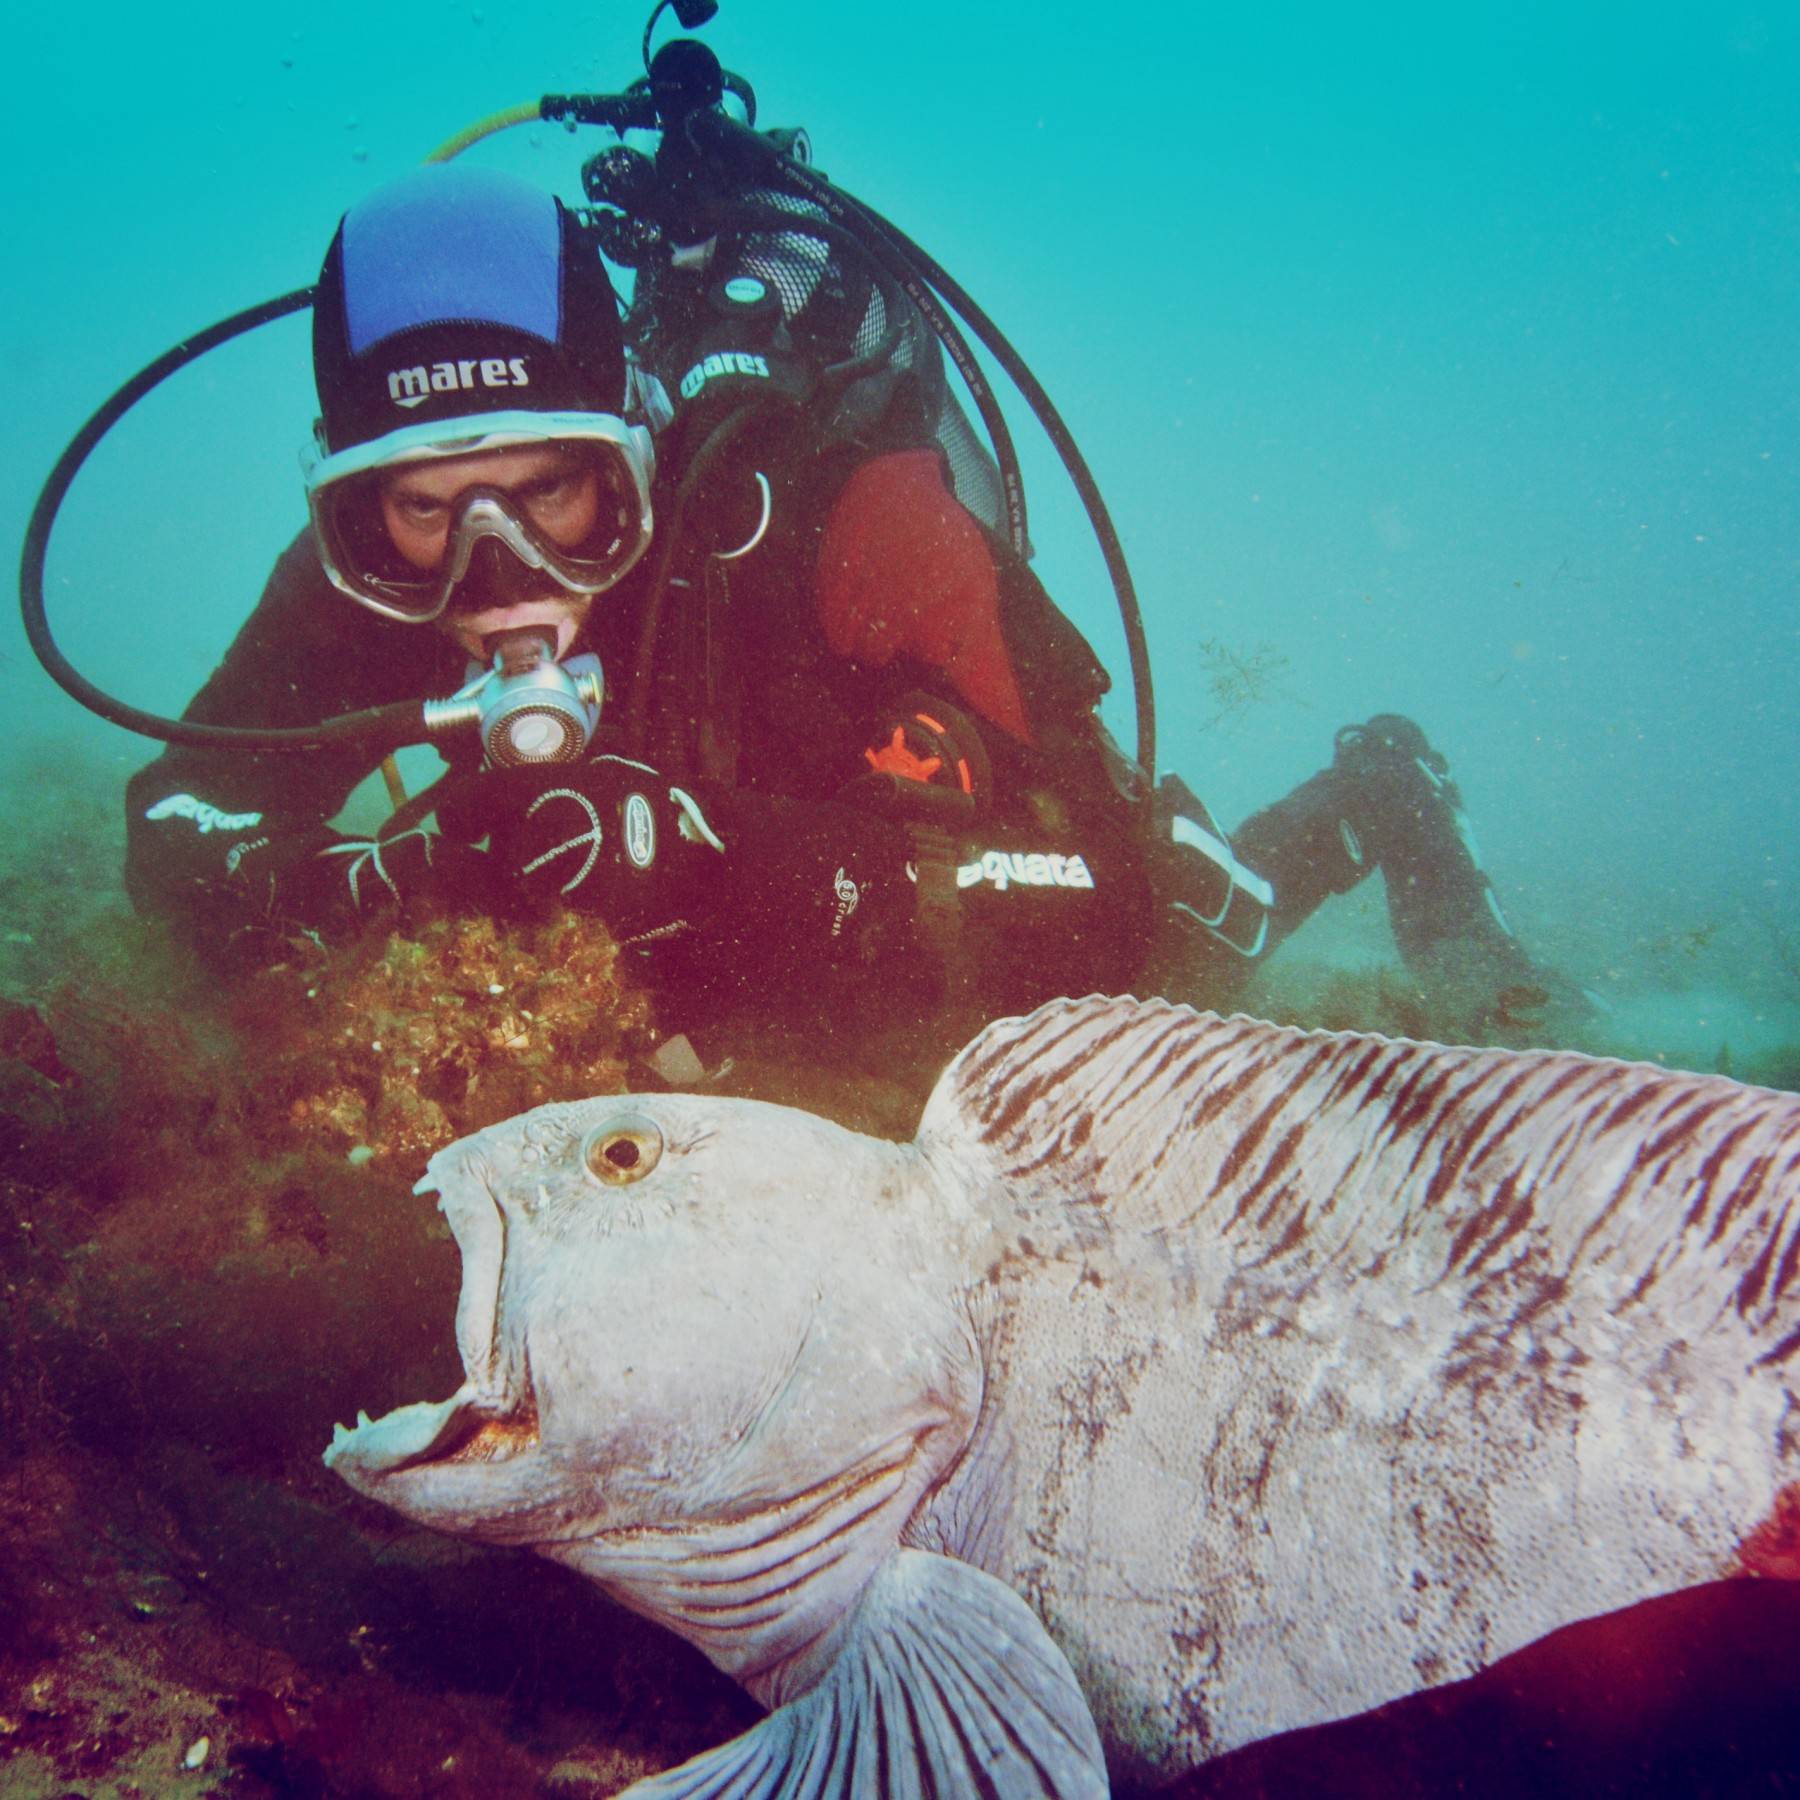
point(896, 757)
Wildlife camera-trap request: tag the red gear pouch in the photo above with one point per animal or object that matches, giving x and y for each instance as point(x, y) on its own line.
point(905, 571)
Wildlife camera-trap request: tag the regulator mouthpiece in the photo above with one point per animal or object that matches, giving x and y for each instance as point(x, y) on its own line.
point(528, 707)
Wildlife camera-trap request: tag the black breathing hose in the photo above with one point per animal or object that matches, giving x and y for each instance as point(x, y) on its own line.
point(860, 225)
point(388, 726)
point(918, 273)
point(894, 254)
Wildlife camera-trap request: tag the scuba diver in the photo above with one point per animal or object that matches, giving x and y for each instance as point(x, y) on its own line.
point(871, 753)
point(758, 673)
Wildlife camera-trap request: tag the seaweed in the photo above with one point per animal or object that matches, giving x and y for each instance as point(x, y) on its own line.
point(1238, 679)
point(209, 1250)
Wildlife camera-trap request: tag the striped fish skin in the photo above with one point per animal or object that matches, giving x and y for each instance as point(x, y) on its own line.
point(1322, 1367)
point(1281, 1374)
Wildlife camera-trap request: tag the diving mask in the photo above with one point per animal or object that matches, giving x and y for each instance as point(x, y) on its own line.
point(583, 515)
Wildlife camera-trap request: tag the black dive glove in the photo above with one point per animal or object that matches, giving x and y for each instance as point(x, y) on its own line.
point(611, 837)
point(780, 886)
point(332, 884)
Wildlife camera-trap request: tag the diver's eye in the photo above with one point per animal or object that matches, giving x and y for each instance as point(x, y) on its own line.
point(623, 1150)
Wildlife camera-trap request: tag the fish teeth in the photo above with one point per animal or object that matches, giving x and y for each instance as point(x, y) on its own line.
point(362, 1418)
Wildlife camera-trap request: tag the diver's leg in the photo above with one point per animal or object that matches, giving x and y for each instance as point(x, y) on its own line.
point(1307, 848)
point(1214, 909)
point(1386, 802)
point(1404, 813)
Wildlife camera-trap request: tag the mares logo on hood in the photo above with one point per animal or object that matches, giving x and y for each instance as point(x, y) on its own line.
point(411, 387)
point(723, 362)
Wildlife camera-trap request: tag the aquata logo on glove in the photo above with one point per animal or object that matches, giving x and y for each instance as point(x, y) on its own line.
point(206, 816)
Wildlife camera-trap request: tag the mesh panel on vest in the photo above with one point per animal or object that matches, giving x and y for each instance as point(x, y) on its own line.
point(834, 313)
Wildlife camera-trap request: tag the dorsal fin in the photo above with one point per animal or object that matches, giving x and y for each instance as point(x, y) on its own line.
point(1312, 1145)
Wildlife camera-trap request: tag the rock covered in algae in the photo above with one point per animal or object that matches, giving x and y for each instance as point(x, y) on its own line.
point(401, 1043)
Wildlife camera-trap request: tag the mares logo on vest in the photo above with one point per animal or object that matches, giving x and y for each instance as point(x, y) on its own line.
point(722, 362)
point(1009, 868)
point(414, 386)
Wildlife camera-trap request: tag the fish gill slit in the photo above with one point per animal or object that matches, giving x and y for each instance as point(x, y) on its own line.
point(762, 1604)
point(795, 1513)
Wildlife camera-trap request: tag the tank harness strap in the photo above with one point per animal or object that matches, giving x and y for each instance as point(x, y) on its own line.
point(937, 913)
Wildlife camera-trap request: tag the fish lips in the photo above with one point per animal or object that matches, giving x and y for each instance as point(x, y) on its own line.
point(465, 1427)
point(478, 1224)
point(440, 1461)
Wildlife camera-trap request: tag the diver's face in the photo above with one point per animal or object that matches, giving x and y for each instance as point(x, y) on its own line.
point(554, 491)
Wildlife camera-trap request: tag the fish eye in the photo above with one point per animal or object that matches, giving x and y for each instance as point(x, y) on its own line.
point(623, 1150)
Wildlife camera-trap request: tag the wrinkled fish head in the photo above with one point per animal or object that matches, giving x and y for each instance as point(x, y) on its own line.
point(674, 1310)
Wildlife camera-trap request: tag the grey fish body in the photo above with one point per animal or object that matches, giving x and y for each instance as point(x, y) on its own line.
point(1277, 1374)
point(1330, 1367)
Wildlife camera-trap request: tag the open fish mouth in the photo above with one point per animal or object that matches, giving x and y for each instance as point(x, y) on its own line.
point(485, 1420)
point(462, 1429)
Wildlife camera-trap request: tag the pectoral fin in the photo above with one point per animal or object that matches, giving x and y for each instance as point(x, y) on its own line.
point(944, 1683)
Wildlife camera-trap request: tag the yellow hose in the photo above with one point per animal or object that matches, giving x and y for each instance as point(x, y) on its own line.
point(390, 774)
point(514, 115)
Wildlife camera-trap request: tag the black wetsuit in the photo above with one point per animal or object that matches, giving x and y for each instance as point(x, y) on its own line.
point(869, 599)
